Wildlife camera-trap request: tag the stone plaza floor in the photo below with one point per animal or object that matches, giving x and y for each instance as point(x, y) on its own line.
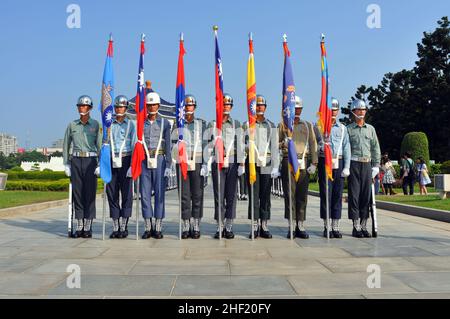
point(413, 255)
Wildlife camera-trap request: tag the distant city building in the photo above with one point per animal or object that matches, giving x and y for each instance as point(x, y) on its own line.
point(58, 143)
point(8, 144)
point(55, 164)
point(49, 150)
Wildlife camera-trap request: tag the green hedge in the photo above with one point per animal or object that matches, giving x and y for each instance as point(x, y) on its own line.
point(445, 167)
point(35, 175)
point(47, 186)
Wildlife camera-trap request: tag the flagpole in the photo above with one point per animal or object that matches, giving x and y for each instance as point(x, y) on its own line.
point(219, 216)
point(137, 208)
point(179, 174)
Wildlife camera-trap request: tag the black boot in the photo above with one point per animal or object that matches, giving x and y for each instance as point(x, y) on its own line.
point(115, 234)
point(331, 234)
point(185, 235)
point(366, 234)
point(336, 234)
point(147, 234)
point(301, 233)
point(265, 233)
point(357, 233)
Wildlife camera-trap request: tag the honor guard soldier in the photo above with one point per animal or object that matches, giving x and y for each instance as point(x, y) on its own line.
point(82, 143)
point(305, 142)
point(267, 163)
point(340, 150)
point(233, 166)
point(155, 167)
point(364, 166)
point(123, 138)
point(192, 188)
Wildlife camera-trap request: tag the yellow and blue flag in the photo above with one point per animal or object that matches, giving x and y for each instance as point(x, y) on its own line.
point(251, 110)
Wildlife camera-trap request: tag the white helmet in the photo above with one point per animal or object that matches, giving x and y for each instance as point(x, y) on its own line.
point(298, 102)
point(358, 104)
point(152, 98)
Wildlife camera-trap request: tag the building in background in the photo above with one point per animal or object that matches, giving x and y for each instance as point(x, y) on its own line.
point(58, 143)
point(55, 164)
point(8, 144)
point(49, 150)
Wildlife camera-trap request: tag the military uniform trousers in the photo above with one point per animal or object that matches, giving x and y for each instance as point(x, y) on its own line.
point(243, 189)
point(261, 193)
point(335, 190)
point(359, 190)
point(191, 193)
point(153, 180)
point(120, 184)
point(228, 190)
point(84, 186)
point(298, 193)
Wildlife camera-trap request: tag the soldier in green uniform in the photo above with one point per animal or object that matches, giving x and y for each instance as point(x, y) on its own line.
point(364, 166)
point(306, 147)
point(82, 143)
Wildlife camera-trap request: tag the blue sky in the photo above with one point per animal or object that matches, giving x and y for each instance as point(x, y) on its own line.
point(45, 65)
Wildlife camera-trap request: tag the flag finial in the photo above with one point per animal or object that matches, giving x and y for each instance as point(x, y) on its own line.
point(143, 37)
point(215, 28)
point(148, 84)
point(284, 37)
point(250, 36)
point(110, 37)
point(181, 36)
point(322, 38)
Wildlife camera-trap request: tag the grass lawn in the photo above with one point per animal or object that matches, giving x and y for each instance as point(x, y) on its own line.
point(430, 201)
point(19, 198)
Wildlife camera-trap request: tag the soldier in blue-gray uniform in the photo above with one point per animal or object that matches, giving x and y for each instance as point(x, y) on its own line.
point(364, 166)
point(123, 138)
point(197, 170)
point(233, 167)
point(155, 167)
point(82, 143)
point(340, 150)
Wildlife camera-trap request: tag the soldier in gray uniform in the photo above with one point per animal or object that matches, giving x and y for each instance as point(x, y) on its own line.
point(123, 138)
point(155, 167)
point(192, 188)
point(364, 166)
point(305, 142)
point(233, 167)
point(340, 151)
point(82, 144)
point(267, 163)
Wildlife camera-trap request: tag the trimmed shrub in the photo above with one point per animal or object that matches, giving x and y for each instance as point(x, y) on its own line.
point(45, 186)
point(36, 175)
point(435, 169)
point(417, 144)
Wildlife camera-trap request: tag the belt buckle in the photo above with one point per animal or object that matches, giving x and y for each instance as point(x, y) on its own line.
point(83, 154)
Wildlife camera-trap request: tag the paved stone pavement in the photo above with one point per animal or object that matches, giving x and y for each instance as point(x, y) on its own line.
point(413, 255)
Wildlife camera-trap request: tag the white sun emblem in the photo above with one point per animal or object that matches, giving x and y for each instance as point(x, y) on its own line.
point(141, 78)
point(253, 107)
point(108, 116)
point(220, 67)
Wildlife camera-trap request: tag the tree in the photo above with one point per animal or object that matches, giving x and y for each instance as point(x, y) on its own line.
point(417, 98)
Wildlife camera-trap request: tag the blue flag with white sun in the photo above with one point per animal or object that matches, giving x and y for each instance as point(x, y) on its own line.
point(106, 108)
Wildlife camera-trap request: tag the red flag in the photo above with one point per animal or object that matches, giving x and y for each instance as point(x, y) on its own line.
point(141, 114)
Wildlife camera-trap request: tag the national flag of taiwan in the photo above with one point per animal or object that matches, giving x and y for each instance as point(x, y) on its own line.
point(179, 104)
point(324, 113)
point(219, 104)
point(289, 110)
point(106, 109)
point(251, 110)
point(141, 114)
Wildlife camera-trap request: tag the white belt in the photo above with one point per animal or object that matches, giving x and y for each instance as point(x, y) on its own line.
point(84, 154)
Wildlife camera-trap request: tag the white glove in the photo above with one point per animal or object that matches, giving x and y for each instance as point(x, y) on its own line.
point(97, 171)
point(67, 170)
point(345, 172)
point(275, 173)
point(311, 169)
point(129, 172)
point(375, 171)
point(204, 171)
point(167, 172)
point(241, 170)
